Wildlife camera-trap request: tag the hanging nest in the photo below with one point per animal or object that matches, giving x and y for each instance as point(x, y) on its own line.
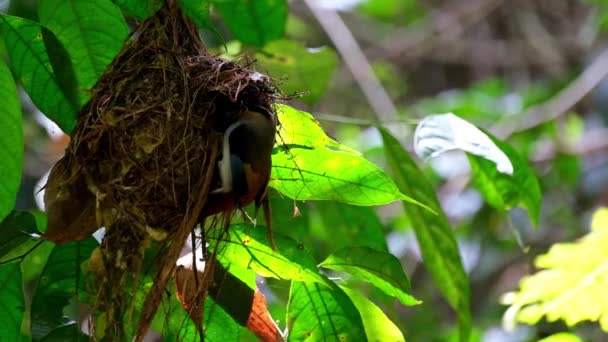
point(143, 156)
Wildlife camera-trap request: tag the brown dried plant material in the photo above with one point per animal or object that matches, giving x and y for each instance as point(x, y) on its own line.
point(260, 322)
point(143, 156)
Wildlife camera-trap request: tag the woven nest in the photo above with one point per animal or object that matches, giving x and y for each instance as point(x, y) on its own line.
point(144, 152)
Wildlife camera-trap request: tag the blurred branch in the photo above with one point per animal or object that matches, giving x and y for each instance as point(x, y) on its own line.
point(540, 40)
point(440, 27)
point(592, 142)
point(558, 105)
point(364, 122)
point(356, 61)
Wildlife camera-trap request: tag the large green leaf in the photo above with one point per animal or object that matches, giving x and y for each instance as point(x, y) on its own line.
point(298, 69)
point(11, 141)
point(18, 233)
point(381, 269)
point(219, 325)
point(308, 165)
point(12, 302)
point(433, 232)
point(248, 247)
point(61, 280)
point(323, 174)
point(139, 9)
point(321, 313)
point(301, 129)
point(571, 284)
point(344, 225)
point(504, 191)
point(254, 22)
point(30, 61)
point(378, 327)
point(92, 32)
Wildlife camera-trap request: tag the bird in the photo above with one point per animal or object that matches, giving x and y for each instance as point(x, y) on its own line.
point(244, 167)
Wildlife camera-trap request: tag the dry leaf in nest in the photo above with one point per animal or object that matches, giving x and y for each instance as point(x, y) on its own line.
point(143, 155)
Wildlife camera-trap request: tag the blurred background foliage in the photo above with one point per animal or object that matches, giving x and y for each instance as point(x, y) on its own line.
point(525, 70)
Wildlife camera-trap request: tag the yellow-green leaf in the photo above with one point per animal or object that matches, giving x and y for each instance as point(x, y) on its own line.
point(571, 284)
point(378, 327)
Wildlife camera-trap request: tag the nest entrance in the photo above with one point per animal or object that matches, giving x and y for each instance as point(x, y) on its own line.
point(144, 152)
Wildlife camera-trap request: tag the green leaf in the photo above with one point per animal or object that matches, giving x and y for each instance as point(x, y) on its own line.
point(33, 68)
point(12, 302)
point(219, 325)
point(571, 284)
point(381, 269)
point(11, 141)
point(17, 235)
point(92, 32)
point(254, 22)
point(139, 9)
point(433, 232)
point(61, 280)
point(198, 11)
point(322, 174)
point(249, 248)
point(300, 70)
point(503, 191)
point(562, 337)
point(378, 327)
point(308, 165)
point(346, 225)
point(171, 320)
point(62, 66)
point(300, 128)
point(321, 313)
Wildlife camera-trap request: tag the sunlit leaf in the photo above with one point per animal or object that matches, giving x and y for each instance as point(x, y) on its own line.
point(12, 302)
point(220, 326)
point(308, 165)
point(11, 141)
point(301, 129)
point(61, 280)
point(92, 32)
point(249, 248)
point(321, 313)
point(254, 22)
point(33, 69)
point(561, 337)
point(571, 284)
point(380, 269)
point(378, 327)
point(433, 232)
point(298, 69)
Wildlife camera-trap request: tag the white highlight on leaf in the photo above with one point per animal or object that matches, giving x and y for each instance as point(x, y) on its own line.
point(439, 133)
